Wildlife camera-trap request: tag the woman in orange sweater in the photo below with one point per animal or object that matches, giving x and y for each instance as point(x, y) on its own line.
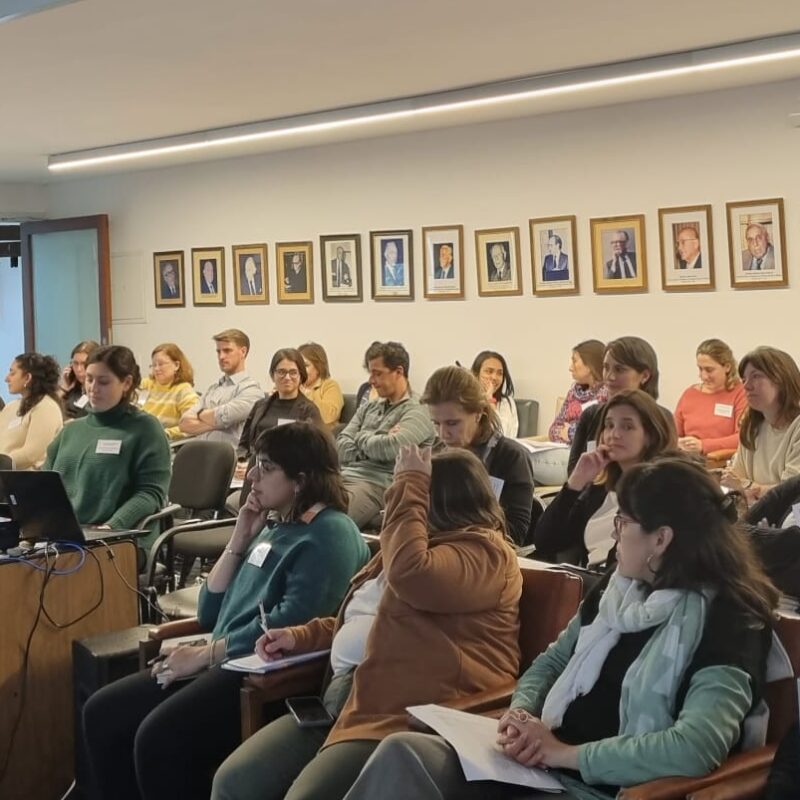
point(432, 617)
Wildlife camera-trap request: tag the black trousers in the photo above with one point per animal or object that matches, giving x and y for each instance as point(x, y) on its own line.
point(147, 743)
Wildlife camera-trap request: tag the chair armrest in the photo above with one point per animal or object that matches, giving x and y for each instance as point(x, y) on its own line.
point(180, 627)
point(167, 511)
point(678, 788)
point(719, 458)
point(301, 679)
point(749, 786)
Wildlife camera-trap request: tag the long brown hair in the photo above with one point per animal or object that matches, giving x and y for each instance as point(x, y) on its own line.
point(720, 352)
point(591, 353)
point(184, 373)
point(707, 549)
point(631, 351)
point(461, 496)
point(458, 385)
point(782, 370)
point(44, 374)
point(316, 354)
point(659, 431)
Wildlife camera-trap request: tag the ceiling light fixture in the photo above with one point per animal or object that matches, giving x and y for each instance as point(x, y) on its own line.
point(742, 54)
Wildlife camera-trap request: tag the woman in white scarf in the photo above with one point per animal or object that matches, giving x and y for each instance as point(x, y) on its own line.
point(655, 674)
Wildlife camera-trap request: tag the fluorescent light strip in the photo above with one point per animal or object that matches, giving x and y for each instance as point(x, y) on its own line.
point(438, 104)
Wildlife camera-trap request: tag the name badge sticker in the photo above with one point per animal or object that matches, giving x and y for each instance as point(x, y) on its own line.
point(591, 446)
point(588, 404)
point(259, 554)
point(284, 421)
point(497, 485)
point(82, 401)
point(723, 410)
point(109, 447)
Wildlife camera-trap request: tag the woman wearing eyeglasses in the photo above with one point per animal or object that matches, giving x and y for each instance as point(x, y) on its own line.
point(285, 404)
point(653, 677)
point(578, 525)
point(155, 735)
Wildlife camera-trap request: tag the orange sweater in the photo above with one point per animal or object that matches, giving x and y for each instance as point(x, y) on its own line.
point(447, 624)
point(713, 418)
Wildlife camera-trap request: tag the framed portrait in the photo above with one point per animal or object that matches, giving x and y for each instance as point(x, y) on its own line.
point(497, 258)
point(294, 268)
point(687, 248)
point(169, 279)
point(443, 248)
point(392, 258)
point(341, 268)
point(757, 242)
point(250, 274)
point(554, 255)
point(208, 276)
point(619, 254)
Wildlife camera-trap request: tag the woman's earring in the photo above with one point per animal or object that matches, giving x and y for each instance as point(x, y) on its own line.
point(649, 565)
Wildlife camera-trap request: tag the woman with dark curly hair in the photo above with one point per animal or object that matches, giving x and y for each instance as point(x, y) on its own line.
point(28, 425)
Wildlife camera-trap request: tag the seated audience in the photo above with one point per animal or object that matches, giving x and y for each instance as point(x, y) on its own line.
point(71, 387)
point(708, 414)
point(28, 425)
point(286, 404)
point(115, 461)
point(653, 677)
point(579, 522)
point(769, 446)
point(169, 391)
point(221, 413)
point(319, 387)
point(433, 617)
point(463, 417)
point(145, 741)
point(492, 371)
point(371, 440)
point(586, 368)
point(628, 363)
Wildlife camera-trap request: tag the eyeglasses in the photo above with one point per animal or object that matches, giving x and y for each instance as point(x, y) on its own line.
point(620, 521)
point(264, 464)
point(287, 373)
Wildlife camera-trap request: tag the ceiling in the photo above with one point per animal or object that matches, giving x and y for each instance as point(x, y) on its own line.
point(102, 72)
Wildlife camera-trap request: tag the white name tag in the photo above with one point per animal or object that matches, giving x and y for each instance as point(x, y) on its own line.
point(588, 404)
point(591, 446)
point(286, 421)
point(497, 485)
point(82, 401)
point(15, 423)
point(259, 554)
point(109, 447)
point(723, 410)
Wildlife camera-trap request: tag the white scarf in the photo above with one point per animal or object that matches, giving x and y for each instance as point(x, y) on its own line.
point(651, 683)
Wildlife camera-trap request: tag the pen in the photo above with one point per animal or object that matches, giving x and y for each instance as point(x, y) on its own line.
point(263, 615)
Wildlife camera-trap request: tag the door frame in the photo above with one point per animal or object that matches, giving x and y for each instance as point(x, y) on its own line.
point(98, 223)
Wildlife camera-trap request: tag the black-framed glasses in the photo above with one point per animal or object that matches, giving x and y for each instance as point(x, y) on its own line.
point(287, 373)
point(620, 521)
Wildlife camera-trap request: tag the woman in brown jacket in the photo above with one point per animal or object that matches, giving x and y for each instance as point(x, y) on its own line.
point(432, 617)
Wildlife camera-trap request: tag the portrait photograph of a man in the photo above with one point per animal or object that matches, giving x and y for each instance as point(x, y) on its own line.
point(443, 247)
point(553, 255)
point(208, 276)
point(341, 260)
point(294, 272)
point(392, 265)
point(250, 274)
point(687, 252)
point(168, 274)
point(618, 254)
point(497, 256)
point(757, 243)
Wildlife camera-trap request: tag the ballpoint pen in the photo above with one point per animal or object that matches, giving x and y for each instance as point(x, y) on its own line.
point(263, 615)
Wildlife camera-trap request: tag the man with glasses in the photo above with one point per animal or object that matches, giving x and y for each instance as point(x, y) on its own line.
point(622, 263)
point(169, 280)
point(760, 253)
point(688, 246)
point(221, 413)
point(371, 441)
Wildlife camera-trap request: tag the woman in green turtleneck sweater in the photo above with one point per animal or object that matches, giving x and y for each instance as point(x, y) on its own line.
point(115, 461)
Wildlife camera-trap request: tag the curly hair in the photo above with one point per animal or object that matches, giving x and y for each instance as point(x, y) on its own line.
point(44, 374)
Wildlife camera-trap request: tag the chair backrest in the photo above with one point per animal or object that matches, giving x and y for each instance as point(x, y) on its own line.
point(781, 695)
point(6, 462)
point(201, 475)
point(528, 413)
point(549, 600)
point(348, 409)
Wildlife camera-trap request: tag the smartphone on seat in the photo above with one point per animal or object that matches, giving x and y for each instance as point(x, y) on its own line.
point(308, 712)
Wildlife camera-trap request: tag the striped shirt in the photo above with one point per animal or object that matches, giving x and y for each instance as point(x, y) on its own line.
point(167, 404)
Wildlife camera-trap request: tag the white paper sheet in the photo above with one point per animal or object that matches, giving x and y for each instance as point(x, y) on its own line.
point(255, 664)
point(473, 738)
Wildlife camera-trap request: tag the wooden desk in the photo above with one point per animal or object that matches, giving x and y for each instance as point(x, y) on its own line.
point(42, 764)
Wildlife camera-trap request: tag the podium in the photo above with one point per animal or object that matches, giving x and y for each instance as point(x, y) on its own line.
point(36, 702)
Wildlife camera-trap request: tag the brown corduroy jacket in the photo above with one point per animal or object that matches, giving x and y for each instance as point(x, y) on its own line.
point(447, 624)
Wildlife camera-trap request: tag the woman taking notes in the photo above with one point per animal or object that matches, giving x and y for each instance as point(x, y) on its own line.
point(653, 677)
point(433, 616)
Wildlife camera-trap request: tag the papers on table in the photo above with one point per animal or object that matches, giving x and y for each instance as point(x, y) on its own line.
point(473, 738)
point(255, 664)
point(533, 446)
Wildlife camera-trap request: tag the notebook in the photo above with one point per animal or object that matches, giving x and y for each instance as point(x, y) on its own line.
point(38, 502)
point(255, 664)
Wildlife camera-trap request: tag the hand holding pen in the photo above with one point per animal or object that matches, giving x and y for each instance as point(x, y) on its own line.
point(275, 643)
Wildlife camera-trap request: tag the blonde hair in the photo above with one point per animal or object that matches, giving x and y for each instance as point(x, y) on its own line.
point(720, 352)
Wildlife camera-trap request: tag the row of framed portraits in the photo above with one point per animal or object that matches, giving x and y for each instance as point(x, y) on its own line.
point(756, 240)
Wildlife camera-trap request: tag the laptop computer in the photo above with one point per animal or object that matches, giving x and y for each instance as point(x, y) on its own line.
point(38, 502)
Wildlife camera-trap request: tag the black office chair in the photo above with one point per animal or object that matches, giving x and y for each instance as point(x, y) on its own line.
point(6, 462)
point(528, 414)
point(348, 411)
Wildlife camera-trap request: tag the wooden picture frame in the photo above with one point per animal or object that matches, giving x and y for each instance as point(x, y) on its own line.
point(342, 274)
point(250, 271)
point(619, 254)
point(497, 262)
point(392, 262)
point(443, 259)
point(554, 255)
point(294, 270)
point(208, 276)
point(687, 248)
point(757, 244)
point(169, 279)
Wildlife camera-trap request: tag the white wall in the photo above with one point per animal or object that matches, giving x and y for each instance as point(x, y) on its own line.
point(711, 148)
point(12, 338)
point(23, 201)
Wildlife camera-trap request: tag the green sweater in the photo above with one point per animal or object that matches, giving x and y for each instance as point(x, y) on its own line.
point(125, 483)
point(707, 726)
point(304, 575)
